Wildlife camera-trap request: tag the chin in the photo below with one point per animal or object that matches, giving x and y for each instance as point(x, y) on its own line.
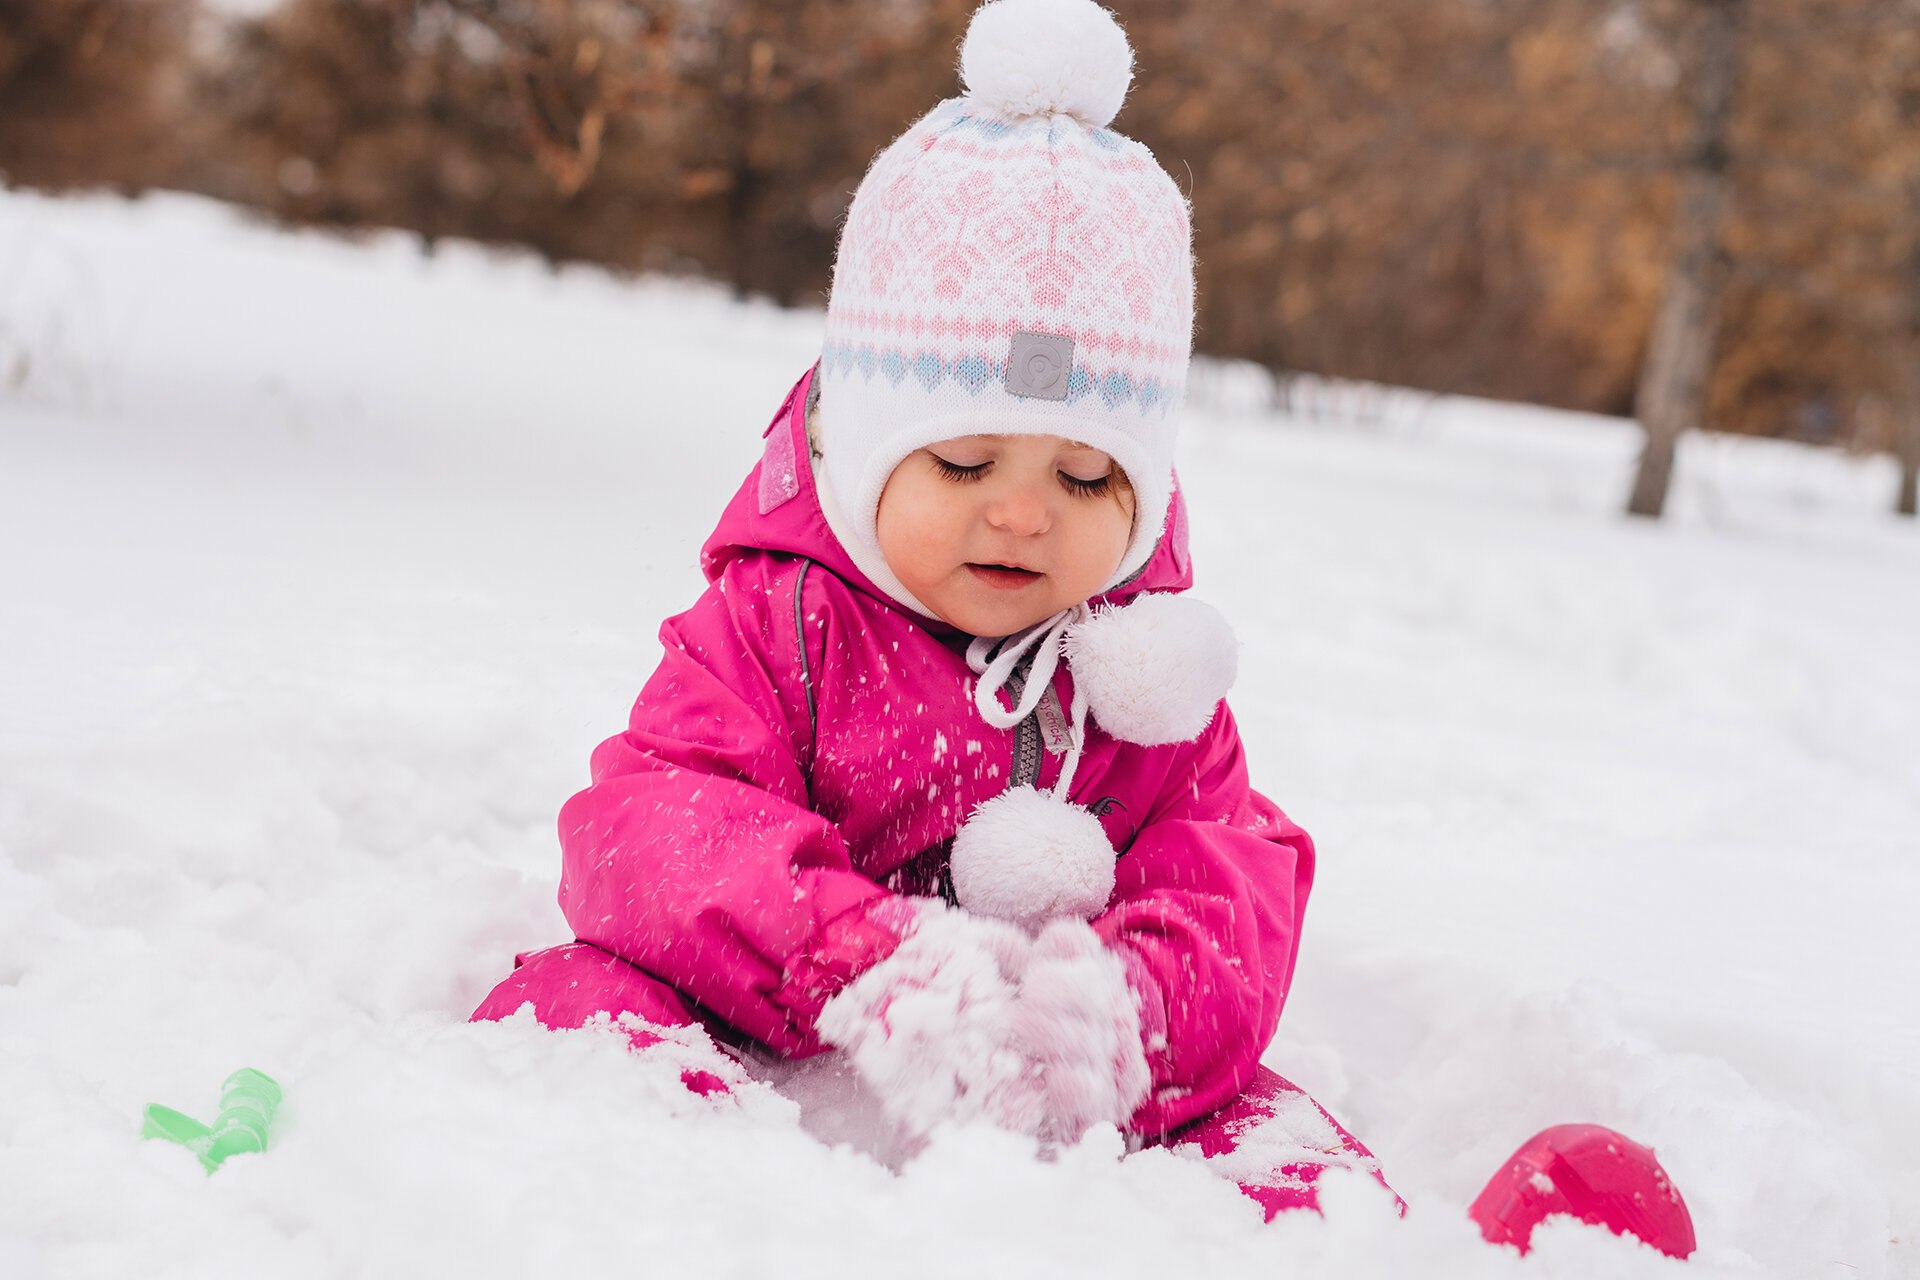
point(997, 622)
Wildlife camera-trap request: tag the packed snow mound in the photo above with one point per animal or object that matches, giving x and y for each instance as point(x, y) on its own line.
point(329, 563)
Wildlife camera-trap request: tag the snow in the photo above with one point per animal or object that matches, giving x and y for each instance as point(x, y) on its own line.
point(328, 562)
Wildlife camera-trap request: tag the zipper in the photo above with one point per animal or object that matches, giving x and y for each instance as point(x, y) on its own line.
point(1026, 735)
point(1025, 770)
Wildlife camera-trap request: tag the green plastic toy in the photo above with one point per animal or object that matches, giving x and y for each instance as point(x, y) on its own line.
point(248, 1100)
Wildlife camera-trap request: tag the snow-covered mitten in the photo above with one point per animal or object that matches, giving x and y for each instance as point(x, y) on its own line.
point(1077, 1019)
point(842, 949)
point(929, 1028)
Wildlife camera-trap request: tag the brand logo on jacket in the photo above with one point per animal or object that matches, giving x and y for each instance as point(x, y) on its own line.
point(1114, 821)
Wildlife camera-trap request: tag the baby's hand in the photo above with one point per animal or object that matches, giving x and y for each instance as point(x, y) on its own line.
point(1075, 1020)
point(973, 1019)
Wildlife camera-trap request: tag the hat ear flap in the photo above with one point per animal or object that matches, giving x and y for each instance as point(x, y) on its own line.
point(1156, 669)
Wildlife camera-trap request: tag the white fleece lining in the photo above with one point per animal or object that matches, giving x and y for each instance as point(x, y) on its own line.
point(867, 560)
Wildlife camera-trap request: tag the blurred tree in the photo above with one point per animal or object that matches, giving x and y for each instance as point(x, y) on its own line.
point(1906, 356)
point(1475, 196)
point(1455, 196)
point(89, 88)
point(1673, 381)
point(1815, 340)
point(657, 134)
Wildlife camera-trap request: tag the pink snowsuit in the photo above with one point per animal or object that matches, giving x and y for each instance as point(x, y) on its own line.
point(806, 751)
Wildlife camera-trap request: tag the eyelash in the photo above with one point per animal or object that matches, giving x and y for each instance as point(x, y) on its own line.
point(966, 475)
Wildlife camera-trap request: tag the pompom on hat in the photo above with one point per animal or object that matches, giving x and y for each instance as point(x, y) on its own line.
point(1011, 265)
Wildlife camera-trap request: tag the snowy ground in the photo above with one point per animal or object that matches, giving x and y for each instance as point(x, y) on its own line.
point(325, 565)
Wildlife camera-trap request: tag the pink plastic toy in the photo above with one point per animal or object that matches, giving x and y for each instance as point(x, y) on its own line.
point(1592, 1173)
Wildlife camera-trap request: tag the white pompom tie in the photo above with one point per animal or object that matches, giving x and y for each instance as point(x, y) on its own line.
point(1046, 640)
point(1154, 670)
point(1047, 57)
point(1027, 857)
point(1030, 856)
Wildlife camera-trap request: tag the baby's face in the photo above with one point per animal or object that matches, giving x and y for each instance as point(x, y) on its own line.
point(997, 532)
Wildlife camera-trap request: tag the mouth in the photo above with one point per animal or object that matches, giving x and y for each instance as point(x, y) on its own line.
point(1006, 577)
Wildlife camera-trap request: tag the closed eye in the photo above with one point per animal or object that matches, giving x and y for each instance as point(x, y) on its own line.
point(1072, 483)
point(1086, 487)
point(954, 471)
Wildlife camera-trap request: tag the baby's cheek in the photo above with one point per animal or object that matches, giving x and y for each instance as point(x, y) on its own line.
point(1119, 533)
point(913, 553)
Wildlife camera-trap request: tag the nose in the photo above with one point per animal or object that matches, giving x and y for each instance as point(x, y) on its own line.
point(1021, 509)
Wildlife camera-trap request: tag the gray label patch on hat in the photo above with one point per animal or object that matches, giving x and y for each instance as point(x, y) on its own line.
point(1038, 366)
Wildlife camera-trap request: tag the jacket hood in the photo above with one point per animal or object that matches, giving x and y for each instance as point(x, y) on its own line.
point(777, 508)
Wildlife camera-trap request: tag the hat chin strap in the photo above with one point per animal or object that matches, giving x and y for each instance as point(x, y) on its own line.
point(1049, 636)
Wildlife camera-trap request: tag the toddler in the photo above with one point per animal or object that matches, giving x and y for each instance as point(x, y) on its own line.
point(937, 771)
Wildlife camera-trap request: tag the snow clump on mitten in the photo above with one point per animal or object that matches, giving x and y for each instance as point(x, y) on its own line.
point(928, 1028)
point(1077, 1018)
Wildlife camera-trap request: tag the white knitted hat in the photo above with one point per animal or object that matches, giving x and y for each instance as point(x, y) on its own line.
point(1011, 265)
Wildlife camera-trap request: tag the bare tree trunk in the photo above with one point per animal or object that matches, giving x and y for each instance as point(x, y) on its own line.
point(1906, 348)
point(1908, 426)
point(1672, 394)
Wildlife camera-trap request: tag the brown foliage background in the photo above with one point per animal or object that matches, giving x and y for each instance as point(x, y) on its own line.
point(91, 90)
point(1463, 195)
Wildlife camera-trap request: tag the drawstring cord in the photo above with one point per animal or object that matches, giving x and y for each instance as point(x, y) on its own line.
point(1049, 636)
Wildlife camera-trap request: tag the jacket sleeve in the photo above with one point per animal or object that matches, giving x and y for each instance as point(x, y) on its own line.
point(695, 855)
point(1206, 912)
